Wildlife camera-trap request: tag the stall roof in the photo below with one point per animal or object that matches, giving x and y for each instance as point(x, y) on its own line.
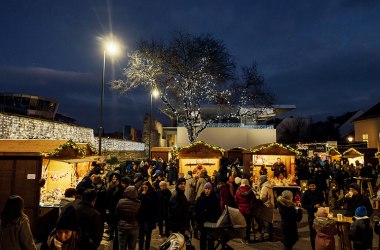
point(198, 148)
point(39, 147)
point(351, 153)
point(333, 152)
point(274, 149)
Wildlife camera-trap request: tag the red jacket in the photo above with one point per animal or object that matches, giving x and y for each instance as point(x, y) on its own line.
point(244, 199)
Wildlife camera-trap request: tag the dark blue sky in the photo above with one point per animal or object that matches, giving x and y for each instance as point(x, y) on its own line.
point(323, 57)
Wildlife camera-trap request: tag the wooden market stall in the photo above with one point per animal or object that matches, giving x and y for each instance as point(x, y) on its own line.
point(235, 155)
point(334, 154)
point(166, 153)
point(199, 152)
point(353, 155)
point(40, 171)
point(266, 155)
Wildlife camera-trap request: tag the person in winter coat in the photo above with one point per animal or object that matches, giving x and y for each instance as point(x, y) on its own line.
point(66, 234)
point(245, 198)
point(325, 230)
point(267, 199)
point(179, 216)
point(14, 226)
point(311, 200)
point(126, 213)
point(361, 233)
point(70, 194)
point(191, 183)
point(101, 196)
point(114, 193)
point(290, 215)
point(202, 180)
point(206, 209)
point(226, 193)
point(354, 199)
point(148, 198)
point(163, 197)
point(90, 221)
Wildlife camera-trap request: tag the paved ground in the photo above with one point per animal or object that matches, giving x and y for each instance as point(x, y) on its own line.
point(302, 244)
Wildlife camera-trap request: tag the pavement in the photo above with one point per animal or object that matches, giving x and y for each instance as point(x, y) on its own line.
point(302, 244)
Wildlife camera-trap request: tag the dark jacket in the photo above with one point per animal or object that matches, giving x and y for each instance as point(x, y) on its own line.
point(361, 233)
point(289, 218)
point(310, 199)
point(207, 209)
point(91, 224)
point(148, 209)
point(356, 201)
point(127, 211)
point(179, 216)
point(163, 198)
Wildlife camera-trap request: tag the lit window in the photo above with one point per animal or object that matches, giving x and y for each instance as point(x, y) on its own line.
point(365, 137)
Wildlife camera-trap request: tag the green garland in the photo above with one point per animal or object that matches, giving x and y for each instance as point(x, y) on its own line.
point(276, 144)
point(68, 144)
point(203, 143)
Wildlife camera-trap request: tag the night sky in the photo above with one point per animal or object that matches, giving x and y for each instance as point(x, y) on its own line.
point(322, 56)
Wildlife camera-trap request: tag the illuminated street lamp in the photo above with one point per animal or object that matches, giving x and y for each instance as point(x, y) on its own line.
point(153, 94)
point(350, 139)
point(111, 47)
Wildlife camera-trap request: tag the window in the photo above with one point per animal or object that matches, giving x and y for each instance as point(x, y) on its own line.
point(365, 137)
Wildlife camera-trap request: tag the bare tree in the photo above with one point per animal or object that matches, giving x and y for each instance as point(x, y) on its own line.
point(191, 72)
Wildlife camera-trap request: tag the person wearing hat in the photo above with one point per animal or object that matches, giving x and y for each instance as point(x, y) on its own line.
point(361, 233)
point(325, 230)
point(126, 213)
point(66, 233)
point(312, 199)
point(267, 199)
point(290, 215)
point(245, 198)
point(206, 210)
point(178, 212)
point(355, 199)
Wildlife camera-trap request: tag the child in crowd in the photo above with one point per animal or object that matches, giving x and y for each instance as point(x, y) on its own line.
point(360, 230)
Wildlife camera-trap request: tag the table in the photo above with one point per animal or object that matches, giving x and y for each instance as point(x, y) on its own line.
point(343, 227)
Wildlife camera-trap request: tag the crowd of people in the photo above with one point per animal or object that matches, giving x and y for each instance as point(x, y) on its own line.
point(134, 200)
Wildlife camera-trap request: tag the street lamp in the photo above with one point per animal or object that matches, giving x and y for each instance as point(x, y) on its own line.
point(153, 93)
point(111, 48)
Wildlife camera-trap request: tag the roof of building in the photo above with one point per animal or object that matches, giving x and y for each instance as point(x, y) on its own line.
point(373, 112)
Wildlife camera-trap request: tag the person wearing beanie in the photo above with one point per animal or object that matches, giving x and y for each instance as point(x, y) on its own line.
point(178, 212)
point(361, 232)
point(126, 213)
point(66, 233)
point(290, 215)
point(312, 199)
point(267, 210)
point(355, 199)
point(325, 230)
point(206, 210)
point(245, 200)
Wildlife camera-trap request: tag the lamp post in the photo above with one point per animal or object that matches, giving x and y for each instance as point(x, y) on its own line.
point(153, 93)
point(110, 47)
